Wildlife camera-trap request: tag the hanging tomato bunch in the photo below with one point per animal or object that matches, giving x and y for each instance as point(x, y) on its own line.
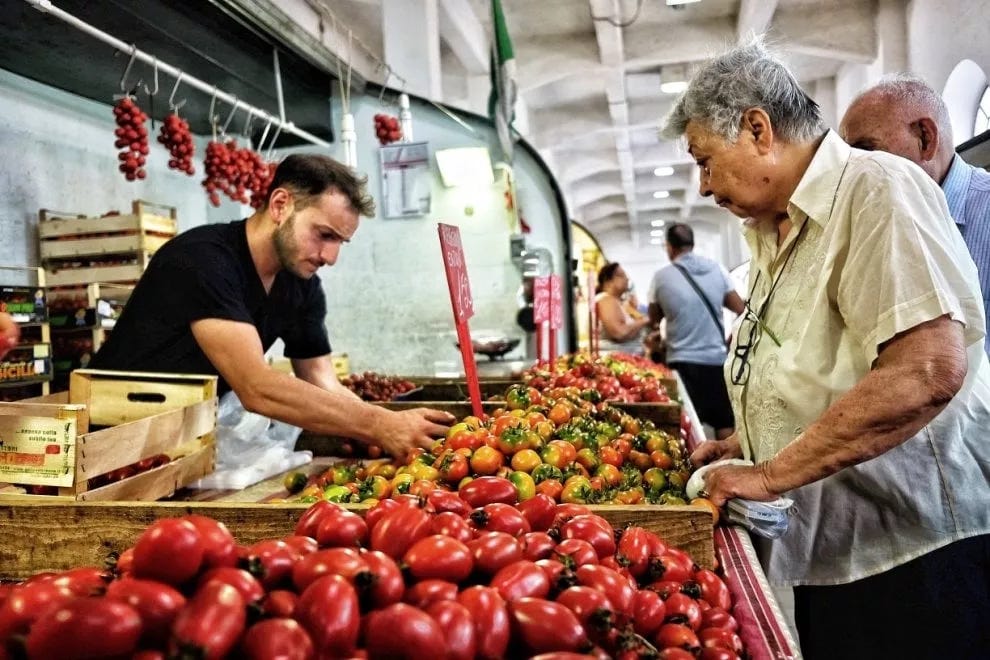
point(387, 128)
point(240, 173)
point(177, 138)
point(132, 138)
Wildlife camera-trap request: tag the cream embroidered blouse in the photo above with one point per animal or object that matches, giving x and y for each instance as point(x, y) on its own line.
point(879, 255)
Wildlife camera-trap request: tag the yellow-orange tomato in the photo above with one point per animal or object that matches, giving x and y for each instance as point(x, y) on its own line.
point(401, 483)
point(661, 459)
point(472, 422)
point(427, 472)
point(457, 428)
point(560, 414)
point(705, 503)
point(567, 450)
point(422, 487)
point(609, 474)
point(525, 460)
point(486, 460)
point(550, 487)
point(535, 418)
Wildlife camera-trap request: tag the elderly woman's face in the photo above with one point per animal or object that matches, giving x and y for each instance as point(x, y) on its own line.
point(731, 172)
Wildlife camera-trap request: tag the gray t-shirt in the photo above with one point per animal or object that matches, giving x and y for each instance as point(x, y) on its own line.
point(692, 335)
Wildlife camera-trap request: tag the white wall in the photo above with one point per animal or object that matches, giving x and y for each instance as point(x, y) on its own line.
point(58, 154)
point(389, 308)
point(388, 303)
point(943, 32)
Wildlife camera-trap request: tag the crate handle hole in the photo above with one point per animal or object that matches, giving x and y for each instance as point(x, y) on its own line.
point(146, 397)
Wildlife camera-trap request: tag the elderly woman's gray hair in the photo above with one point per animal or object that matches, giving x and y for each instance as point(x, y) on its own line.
point(745, 77)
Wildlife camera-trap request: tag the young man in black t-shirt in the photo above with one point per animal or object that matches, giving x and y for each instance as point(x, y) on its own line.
point(216, 297)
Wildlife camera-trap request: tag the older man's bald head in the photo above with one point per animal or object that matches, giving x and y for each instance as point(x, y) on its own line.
point(904, 116)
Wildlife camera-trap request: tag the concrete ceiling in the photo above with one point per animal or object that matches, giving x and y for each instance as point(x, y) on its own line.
point(590, 98)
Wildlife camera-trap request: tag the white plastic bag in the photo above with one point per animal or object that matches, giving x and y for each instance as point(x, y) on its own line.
point(250, 447)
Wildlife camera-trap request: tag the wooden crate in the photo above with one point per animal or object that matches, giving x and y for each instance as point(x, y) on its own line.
point(142, 230)
point(54, 536)
point(141, 415)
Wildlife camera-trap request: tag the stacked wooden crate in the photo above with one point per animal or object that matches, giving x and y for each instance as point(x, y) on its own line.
point(91, 265)
point(112, 436)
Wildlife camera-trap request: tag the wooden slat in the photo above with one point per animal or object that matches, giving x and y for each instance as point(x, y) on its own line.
point(71, 276)
point(60, 227)
point(160, 482)
point(56, 536)
point(100, 246)
point(127, 443)
point(117, 397)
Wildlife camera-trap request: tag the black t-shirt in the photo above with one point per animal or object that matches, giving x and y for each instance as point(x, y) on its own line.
point(207, 273)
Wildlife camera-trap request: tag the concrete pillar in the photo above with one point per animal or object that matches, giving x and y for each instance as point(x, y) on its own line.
point(892, 30)
point(411, 37)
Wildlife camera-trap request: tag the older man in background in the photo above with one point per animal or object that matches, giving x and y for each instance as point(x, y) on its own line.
point(858, 378)
point(902, 115)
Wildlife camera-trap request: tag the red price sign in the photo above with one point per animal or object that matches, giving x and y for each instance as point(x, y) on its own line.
point(556, 308)
point(460, 301)
point(541, 300)
point(456, 269)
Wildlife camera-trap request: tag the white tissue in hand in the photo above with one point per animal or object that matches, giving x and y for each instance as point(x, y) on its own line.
point(696, 483)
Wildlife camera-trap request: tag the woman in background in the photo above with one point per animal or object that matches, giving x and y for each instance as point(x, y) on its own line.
point(618, 331)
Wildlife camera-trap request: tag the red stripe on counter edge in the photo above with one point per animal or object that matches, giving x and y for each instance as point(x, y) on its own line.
point(776, 641)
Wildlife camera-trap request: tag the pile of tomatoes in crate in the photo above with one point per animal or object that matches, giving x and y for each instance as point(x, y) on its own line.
point(440, 577)
point(372, 386)
point(616, 377)
point(111, 477)
point(557, 443)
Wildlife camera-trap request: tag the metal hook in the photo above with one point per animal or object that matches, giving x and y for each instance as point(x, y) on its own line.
point(381, 94)
point(230, 117)
point(148, 91)
point(246, 130)
point(271, 147)
point(172, 105)
point(264, 134)
point(127, 70)
point(213, 104)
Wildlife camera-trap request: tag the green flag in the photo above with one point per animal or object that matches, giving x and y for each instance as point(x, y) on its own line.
point(502, 100)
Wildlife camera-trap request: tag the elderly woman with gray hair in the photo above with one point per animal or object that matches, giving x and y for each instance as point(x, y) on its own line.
point(857, 373)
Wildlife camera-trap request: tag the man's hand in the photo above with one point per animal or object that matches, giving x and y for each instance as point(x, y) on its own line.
point(407, 429)
point(10, 333)
point(715, 450)
point(748, 482)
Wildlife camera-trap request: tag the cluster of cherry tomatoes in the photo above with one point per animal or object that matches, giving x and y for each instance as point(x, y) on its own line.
point(132, 138)
point(556, 443)
point(177, 138)
point(372, 386)
point(111, 477)
point(446, 576)
point(240, 173)
point(616, 377)
point(387, 129)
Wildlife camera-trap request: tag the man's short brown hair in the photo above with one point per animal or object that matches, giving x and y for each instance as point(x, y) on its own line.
point(308, 176)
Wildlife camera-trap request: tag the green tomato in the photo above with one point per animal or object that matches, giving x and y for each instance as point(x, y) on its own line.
point(524, 483)
point(543, 472)
point(337, 494)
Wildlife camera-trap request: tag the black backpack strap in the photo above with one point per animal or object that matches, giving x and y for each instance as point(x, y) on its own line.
point(701, 294)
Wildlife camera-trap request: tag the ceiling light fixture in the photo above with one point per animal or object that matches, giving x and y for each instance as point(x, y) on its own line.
point(657, 232)
point(657, 241)
point(673, 78)
point(663, 171)
point(659, 223)
point(674, 3)
point(661, 194)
